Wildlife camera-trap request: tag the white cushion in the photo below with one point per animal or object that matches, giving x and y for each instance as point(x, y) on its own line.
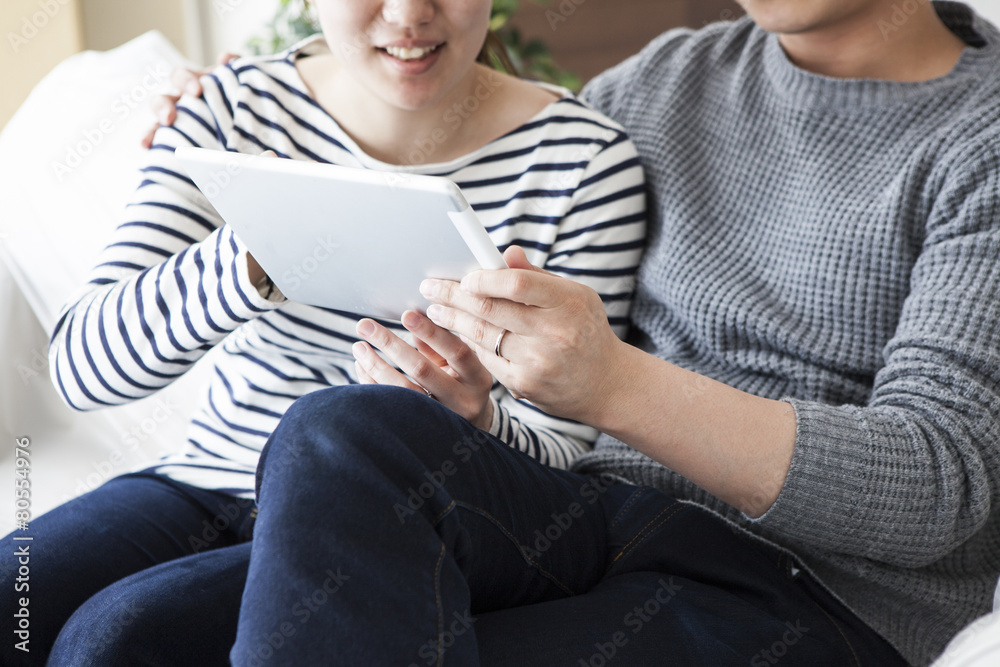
point(68, 164)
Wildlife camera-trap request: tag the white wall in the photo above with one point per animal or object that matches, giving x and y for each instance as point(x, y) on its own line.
point(988, 8)
point(227, 25)
point(35, 39)
point(200, 29)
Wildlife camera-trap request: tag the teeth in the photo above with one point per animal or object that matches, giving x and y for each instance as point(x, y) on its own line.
point(404, 53)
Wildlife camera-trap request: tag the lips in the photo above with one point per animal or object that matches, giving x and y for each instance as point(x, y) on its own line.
point(412, 59)
point(407, 54)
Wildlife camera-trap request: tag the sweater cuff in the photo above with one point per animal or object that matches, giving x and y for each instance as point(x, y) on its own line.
point(496, 426)
point(266, 297)
point(822, 489)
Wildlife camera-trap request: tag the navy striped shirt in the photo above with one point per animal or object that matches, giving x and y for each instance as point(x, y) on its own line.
point(566, 186)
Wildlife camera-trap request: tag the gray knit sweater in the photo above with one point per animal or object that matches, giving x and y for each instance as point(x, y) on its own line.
point(835, 243)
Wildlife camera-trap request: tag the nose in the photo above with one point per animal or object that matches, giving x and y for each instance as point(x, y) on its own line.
point(407, 13)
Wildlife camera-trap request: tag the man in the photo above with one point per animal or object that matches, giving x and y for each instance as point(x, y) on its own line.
point(819, 363)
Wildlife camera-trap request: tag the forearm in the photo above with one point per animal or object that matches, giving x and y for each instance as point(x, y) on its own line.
point(135, 334)
point(734, 445)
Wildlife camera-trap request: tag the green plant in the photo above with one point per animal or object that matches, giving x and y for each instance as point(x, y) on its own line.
point(294, 21)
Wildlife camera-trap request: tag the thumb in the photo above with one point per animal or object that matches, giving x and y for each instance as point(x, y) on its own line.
point(516, 259)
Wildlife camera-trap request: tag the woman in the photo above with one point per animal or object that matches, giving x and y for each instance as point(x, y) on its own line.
point(391, 86)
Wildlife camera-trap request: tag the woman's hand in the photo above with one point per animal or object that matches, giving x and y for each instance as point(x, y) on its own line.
point(188, 82)
point(442, 365)
point(558, 350)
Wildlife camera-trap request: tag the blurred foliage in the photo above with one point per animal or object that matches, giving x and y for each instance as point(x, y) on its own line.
point(295, 20)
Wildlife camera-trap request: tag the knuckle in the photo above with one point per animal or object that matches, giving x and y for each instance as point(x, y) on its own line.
point(421, 370)
point(446, 318)
point(480, 331)
point(447, 291)
point(473, 282)
point(519, 283)
point(484, 307)
point(463, 355)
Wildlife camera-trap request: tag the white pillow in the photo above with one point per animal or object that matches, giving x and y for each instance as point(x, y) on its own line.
point(978, 645)
point(68, 164)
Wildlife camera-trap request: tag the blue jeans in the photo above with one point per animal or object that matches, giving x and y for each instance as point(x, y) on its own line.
point(392, 532)
point(141, 571)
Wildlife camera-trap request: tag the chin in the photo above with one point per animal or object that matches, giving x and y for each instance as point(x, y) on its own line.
point(790, 17)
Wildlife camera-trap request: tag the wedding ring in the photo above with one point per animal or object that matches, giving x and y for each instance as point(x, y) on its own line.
point(496, 348)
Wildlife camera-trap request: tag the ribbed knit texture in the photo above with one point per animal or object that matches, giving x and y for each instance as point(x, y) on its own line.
point(835, 243)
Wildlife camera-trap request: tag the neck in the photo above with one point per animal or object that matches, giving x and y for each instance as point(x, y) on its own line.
point(880, 41)
point(400, 136)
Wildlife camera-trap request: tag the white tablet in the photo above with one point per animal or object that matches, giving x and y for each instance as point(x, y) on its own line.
point(349, 239)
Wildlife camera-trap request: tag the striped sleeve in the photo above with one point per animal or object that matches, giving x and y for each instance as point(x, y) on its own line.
point(599, 243)
point(171, 283)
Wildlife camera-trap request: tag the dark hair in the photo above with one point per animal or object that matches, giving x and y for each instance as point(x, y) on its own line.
point(494, 54)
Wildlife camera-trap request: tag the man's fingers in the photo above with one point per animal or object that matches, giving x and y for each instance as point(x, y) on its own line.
point(515, 258)
point(475, 331)
point(531, 287)
point(504, 313)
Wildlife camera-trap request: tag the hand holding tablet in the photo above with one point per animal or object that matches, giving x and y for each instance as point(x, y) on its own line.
point(356, 240)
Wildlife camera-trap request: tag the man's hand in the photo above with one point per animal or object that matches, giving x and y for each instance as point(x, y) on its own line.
point(188, 82)
point(558, 350)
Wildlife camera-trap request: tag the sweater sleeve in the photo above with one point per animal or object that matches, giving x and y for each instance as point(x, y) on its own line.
point(171, 283)
point(599, 244)
point(910, 476)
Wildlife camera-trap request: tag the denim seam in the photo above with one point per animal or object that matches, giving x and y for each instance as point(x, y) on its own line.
point(846, 640)
point(440, 610)
point(510, 536)
point(624, 508)
point(642, 535)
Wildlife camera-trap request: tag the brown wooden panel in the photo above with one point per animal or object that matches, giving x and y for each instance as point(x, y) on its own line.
point(588, 36)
